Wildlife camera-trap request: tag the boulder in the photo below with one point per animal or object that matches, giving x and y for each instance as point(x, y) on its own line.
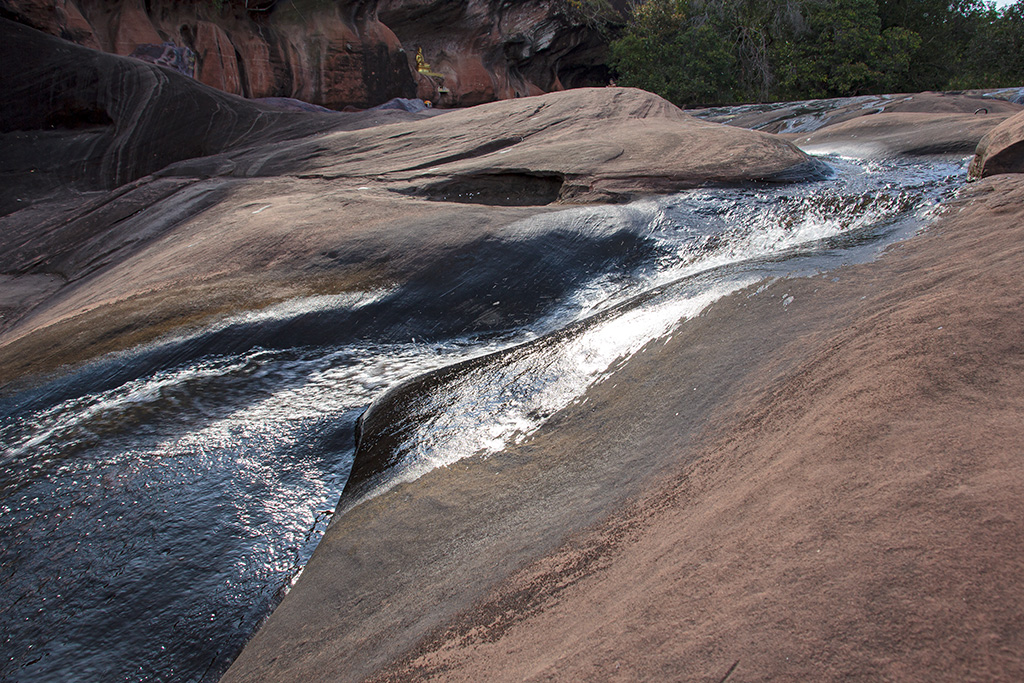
point(1001, 150)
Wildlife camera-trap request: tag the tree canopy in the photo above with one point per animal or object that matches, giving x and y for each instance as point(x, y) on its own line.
point(719, 51)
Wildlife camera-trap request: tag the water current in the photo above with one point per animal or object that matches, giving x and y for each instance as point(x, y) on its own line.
point(154, 506)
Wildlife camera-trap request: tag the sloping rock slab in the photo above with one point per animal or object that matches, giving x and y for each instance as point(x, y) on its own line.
point(902, 133)
point(586, 145)
point(158, 202)
point(1001, 151)
point(75, 118)
point(811, 115)
point(852, 511)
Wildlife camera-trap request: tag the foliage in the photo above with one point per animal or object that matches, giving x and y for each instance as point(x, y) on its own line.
point(995, 54)
point(674, 52)
point(707, 51)
point(843, 52)
point(596, 14)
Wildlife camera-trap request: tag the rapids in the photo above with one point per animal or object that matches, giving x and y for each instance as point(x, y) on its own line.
point(155, 505)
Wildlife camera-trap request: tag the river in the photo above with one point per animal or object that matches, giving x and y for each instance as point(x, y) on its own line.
point(155, 505)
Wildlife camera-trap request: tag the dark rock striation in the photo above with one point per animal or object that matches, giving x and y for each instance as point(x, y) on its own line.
point(355, 53)
point(78, 119)
point(138, 201)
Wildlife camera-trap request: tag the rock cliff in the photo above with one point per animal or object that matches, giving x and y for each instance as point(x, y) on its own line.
point(346, 53)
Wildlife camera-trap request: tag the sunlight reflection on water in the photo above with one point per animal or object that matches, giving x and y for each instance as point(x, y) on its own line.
point(174, 508)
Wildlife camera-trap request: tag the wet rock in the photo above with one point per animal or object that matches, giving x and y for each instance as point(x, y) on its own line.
point(902, 133)
point(830, 466)
point(180, 201)
point(1001, 151)
point(877, 125)
point(813, 115)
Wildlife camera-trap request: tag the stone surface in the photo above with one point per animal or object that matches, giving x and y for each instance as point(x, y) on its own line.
point(79, 119)
point(160, 202)
point(1001, 150)
point(218, 66)
point(840, 498)
point(592, 144)
point(812, 115)
point(910, 133)
point(876, 422)
point(349, 53)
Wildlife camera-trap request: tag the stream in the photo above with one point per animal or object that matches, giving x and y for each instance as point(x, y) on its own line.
point(156, 505)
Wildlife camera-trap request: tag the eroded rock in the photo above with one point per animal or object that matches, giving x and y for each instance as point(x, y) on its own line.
point(902, 133)
point(350, 53)
point(1001, 150)
point(159, 202)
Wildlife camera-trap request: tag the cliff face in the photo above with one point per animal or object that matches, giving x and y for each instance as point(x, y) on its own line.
point(348, 52)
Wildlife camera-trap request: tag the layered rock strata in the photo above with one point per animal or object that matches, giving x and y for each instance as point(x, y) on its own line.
point(351, 53)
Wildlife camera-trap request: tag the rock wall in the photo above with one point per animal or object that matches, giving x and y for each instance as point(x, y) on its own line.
point(346, 53)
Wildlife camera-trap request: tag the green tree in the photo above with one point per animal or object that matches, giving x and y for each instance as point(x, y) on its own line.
point(994, 56)
point(671, 48)
point(842, 51)
point(944, 29)
point(716, 51)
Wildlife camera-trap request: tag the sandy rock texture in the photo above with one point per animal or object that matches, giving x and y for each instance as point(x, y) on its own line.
point(826, 490)
point(917, 133)
point(820, 480)
point(855, 516)
point(878, 125)
point(811, 115)
point(353, 53)
point(157, 202)
point(1001, 150)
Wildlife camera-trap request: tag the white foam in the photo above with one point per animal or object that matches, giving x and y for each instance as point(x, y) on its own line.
point(496, 404)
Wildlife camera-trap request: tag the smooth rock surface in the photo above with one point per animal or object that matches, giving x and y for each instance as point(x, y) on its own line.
point(831, 492)
point(79, 119)
point(909, 133)
point(812, 115)
point(1001, 150)
point(160, 202)
point(766, 495)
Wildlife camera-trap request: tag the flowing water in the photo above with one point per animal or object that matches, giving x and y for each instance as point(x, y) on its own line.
point(154, 506)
